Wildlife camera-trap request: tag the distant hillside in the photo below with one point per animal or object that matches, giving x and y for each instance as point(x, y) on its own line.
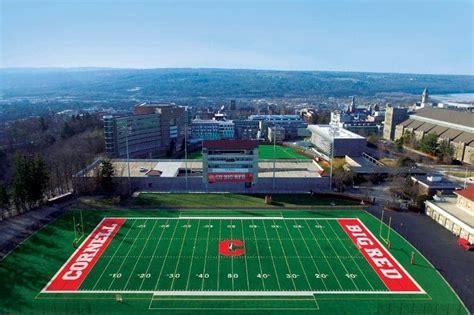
point(103, 83)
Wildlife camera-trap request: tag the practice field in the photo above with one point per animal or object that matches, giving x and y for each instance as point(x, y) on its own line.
point(201, 261)
point(265, 152)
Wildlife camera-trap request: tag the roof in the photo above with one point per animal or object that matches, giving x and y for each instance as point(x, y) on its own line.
point(465, 137)
point(450, 116)
point(329, 131)
point(230, 144)
point(467, 193)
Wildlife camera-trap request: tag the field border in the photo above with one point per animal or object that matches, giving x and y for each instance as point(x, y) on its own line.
point(231, 293)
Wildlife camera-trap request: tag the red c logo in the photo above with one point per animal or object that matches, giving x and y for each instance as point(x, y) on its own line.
point(231, 248)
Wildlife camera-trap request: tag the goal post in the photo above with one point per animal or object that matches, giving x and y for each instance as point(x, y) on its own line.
point(386, 237)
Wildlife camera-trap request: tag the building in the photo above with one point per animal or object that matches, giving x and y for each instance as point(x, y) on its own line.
point(345, 142)
point(291, 123)
point(393, 117)
point(424, 103)
point(432, 184)
point(209, 129)
point(276, 134)
point(455, 213)
point(230, 161)
point(153, 130)
point(454, 127)
point(246, 129)
point(361, 120)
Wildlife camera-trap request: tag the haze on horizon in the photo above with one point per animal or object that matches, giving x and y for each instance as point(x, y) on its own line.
point(420, 36)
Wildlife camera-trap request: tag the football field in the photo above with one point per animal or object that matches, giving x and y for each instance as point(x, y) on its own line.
point(241, 261)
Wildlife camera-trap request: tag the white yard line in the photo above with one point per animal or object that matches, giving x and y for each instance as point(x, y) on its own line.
point(192, 255)
point(113, 255)
point(205, 256)
point(232, 258)
point(355, 262)
point(179, 255)
point(259, 262)
point(219, 256)
point(322, 252)
point(312, 258)
point(297, 254)
point(245, 256)
point(141, 252)
point(128, 252)
point(344, 266)
point(154, 252)
point(166, 255)
point(284, 255)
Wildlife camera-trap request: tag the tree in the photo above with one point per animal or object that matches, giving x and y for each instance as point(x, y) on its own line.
point(67, 131)
point(43, 124)
point(19, 184)
point(406, 161)
point(445, 152)
point(4, 197)
point(38, 180)
point(106, 175)
point(429, 143)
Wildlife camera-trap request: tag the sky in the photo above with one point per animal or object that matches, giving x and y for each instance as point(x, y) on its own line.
point(405, 36)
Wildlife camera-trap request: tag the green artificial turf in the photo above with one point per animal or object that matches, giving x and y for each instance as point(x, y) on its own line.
point(290, 252)
point(265, 152)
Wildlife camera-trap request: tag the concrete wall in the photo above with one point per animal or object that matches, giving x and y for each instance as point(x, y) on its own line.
point(195, 184)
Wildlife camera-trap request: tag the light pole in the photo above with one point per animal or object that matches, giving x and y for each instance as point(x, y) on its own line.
point(129, 129)
point(274, 149)
point(332, 134)
point(186, 153)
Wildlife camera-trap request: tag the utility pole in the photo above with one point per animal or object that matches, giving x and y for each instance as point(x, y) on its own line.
point(129, 129)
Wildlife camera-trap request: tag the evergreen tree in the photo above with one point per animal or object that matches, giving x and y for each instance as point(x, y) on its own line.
point(4, 197)
point(19, 184)
point(67, 131)
point(106, 174)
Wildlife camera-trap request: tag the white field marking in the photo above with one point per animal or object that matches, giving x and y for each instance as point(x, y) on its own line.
point(113, 255)
point(259, 262)
point(126, 255)
point(340, 260)
point(179, 255)
point(286, 260)
point(355, 262)
point(273, 258)
point(205, 256)
point(70, 257)
point(225, 218)
point(141, 252)
point(245, 256)
point(297, 253)
point(166, 255)
point(232, 259)
point(312, 258)
point(235, 293)
point(322, 252)
point(154, 252)
point(219, 256)
point(400, 265)
point(192, 255)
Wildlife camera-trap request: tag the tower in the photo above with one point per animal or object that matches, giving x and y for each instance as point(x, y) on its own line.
point(425, 98)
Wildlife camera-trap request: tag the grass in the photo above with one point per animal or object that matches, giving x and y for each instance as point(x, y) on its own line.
point(27, 270)
point(237, 200)
point(265, 152)
point(462, 174)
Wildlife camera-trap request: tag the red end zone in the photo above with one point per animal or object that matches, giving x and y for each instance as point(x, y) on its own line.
point(395, 278)
point(76, 269)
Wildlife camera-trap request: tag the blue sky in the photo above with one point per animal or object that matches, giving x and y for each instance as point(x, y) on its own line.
point(416, 36)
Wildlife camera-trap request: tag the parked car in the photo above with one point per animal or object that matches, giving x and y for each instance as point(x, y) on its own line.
point(465, 244)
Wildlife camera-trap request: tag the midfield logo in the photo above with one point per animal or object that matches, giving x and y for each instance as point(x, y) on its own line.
point(231, 248)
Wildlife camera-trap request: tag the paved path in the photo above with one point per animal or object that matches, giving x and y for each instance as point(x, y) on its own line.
point(440, 247)
point(15, 230)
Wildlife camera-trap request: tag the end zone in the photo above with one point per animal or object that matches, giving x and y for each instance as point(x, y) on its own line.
point(71, 275)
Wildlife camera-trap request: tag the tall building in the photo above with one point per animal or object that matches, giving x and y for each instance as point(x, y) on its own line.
point(230, 161)
point(246, 129)
point(154, 130)
point(276, 134)
point(291, 123)
point(209, 129)
point(393, 116)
